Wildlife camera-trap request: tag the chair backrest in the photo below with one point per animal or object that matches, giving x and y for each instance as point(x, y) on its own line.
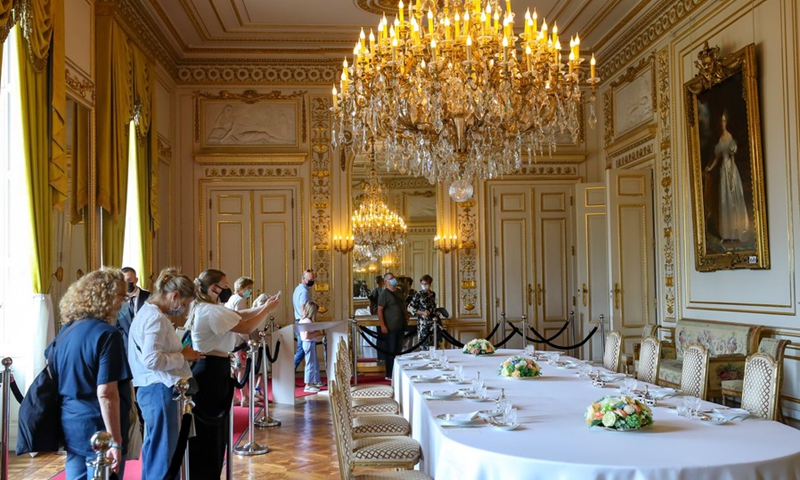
point(773, 347)
point(613, 349)
point(649, 360)
point(342, 357)
point(342, 424)
point(694, 376)
point(649, 330)
point(762, 379)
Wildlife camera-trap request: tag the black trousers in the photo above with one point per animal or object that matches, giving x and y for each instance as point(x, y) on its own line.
point(211, 417)
point(394, 345)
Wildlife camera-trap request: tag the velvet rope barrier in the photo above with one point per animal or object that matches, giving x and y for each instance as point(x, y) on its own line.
point(183, 440)
point(15, 390)
point(411, 349)
point(494, 330)
point(543, 340)
point(559, 347)
point(505, 340)
point(273, 359)
point(450, 339)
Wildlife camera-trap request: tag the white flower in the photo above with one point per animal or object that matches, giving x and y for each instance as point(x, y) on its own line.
point(609, 419)
point(629, 409)
point(515, 374)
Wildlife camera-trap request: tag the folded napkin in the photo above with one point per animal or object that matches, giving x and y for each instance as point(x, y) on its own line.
point(661, 392)
point(732, 413)
point(464, 417)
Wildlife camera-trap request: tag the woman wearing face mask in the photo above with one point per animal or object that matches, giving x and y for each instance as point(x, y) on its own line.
point(158, 361)
point(423, 305)
point(214, 330)
point(243, 289)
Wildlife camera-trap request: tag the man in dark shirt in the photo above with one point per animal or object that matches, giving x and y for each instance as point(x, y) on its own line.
point(393, 317)
point(374, 294)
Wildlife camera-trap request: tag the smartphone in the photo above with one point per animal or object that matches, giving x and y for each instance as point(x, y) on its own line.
point(278, 295)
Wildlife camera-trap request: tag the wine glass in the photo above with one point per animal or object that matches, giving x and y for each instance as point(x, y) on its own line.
point(628, 385)
point(510, 415)
point(530, 350)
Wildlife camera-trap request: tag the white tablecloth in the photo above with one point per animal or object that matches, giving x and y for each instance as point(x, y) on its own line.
point(554, 441)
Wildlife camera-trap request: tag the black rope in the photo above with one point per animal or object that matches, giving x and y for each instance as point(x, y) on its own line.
point(570, 347)
point(239, 347)
point(15, 390)
point(183, 439)
point(449, 338)
point(505, 340)
point(368, 332)
point(277, 351)
point(369, 342)
point(245, 377)
point(494, 330)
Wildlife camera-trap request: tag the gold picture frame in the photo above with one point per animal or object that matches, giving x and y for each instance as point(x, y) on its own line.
point(726, 163)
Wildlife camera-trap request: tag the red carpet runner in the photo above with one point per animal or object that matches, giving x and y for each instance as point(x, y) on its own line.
point(133, 468)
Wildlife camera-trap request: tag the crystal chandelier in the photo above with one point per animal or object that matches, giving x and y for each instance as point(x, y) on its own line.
point(453, 94)
point(377, 230)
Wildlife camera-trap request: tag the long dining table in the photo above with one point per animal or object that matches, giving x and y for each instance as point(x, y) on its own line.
point(554, 441)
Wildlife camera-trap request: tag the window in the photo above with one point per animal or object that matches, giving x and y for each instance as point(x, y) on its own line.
point(133, 250)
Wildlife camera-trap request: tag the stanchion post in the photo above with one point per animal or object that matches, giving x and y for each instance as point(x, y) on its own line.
point(229, 449)
point(435, 335)
point(265, 421)
point(101, 464)
point(524, 331)
point(185, 406)
point(354, 335)
point(603, 331)
point(502, 325)
point(7, 362)
point(251, 447)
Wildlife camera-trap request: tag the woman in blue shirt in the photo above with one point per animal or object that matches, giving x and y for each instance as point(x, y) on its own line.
point(92, 370)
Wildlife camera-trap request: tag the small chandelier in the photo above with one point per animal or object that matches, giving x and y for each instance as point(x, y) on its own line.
point(377, 230)
point(454, 95)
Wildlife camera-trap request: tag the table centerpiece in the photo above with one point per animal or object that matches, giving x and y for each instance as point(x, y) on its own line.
point(479, 346)
point(619, 413)
point(519, 367)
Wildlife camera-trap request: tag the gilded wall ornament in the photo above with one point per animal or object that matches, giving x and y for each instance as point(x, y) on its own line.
point(321, 162)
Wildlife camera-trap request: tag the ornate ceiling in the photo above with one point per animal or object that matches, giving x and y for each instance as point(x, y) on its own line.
point(199, 30)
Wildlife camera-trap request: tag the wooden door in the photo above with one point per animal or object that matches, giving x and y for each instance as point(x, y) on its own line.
point(591, 265)
point(631, 255)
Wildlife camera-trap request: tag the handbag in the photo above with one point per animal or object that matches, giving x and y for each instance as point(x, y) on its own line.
point(40, 412)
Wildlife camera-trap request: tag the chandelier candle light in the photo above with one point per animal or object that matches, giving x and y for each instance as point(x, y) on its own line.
point(445, 244)
point(455, 94)
point(376, 228)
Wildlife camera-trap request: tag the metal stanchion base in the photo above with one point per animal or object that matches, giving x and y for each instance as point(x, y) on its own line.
point(267, 422)
point(251, 449)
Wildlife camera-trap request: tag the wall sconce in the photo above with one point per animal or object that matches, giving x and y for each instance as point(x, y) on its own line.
point(343, 245)
point(387, 262)
point(445, 244)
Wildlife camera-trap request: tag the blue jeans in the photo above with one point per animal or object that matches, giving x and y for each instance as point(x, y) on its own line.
point(77, 470)
point(299, 354)
point(312, 364)
point(160, 414)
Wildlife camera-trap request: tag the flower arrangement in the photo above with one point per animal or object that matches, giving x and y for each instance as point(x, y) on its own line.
point(478, 346)
point(619, 413)
point(520, 367)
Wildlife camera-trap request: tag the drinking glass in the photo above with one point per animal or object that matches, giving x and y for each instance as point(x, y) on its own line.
point(510, 416)
point(628, 385)
point(482, 391)
point(554, 357)
point(692, 404)
point(458, 371)
point(530, 350)
point(432, 352)
point(695, 406)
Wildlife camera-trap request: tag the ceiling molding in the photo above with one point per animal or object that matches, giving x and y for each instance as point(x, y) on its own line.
point(286, 72)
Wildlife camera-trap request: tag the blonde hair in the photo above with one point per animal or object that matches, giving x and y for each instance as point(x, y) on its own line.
point(242, 282)
point(171, 280)
point(204, 281)
point(310, 311)
point(92, 296)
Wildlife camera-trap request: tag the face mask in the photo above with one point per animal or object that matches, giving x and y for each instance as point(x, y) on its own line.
point(175, 312)
point(131, 288)
point(393, 282)
point(247, 293)
point(310, 283)
point(423, 287)
point(225, 294)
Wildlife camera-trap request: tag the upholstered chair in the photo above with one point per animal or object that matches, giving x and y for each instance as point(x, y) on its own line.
point(762, 379)
point(373, 452)
point(612, 351)
point(771, 346)
point(694, 375)
point(628, 361)
point(360, 391)
point(363, 406)
point(649, 359)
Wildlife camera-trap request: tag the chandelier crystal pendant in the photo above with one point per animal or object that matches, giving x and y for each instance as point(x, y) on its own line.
point(377, 230)
point(454, 94)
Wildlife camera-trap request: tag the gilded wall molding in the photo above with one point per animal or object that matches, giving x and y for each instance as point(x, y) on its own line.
point(250, 172)
point(633, 153)
point(378, 7)
point(666, 174)
point(79, 85)
point(608, 119)
point(251, 97)
point(164, 148)
point(411, 182)
point(548, 170)
point(321, 218)
point(467, 258)
point(645, 32)
point(288, 72)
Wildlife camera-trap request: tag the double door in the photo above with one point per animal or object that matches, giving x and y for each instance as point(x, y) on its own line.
point(530, 256)
point(251, 232)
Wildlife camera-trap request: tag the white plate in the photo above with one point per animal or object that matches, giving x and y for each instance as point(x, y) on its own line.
point(504, 426)
point(424, 379)
point(714, 419)
point(473, 398)
point(447, 419)
point(611, 377)
point(731, 413)
point(439, 394)
point(417, 367)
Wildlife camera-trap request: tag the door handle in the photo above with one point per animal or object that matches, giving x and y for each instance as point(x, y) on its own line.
point(530, 294)
point(539, 292)
point(584, 294)
point(617, 293)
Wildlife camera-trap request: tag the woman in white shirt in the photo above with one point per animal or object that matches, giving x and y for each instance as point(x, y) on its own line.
point(158, 361)
point(242, 290)
point(214, 330)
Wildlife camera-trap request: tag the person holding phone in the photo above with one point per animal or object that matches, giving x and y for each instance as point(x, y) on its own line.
point(214, 330)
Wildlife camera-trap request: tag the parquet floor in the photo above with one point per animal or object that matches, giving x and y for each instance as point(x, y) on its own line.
point(303, 447)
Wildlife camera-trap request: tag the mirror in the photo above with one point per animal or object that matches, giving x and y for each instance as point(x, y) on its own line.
point(414, 199)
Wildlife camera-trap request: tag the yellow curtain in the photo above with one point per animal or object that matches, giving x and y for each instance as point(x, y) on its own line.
point(39, 22)
point(36, 140)
point(59, 180)
point(114, 109)
point(6, 22)
point(79, 176)
point(144, 95)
